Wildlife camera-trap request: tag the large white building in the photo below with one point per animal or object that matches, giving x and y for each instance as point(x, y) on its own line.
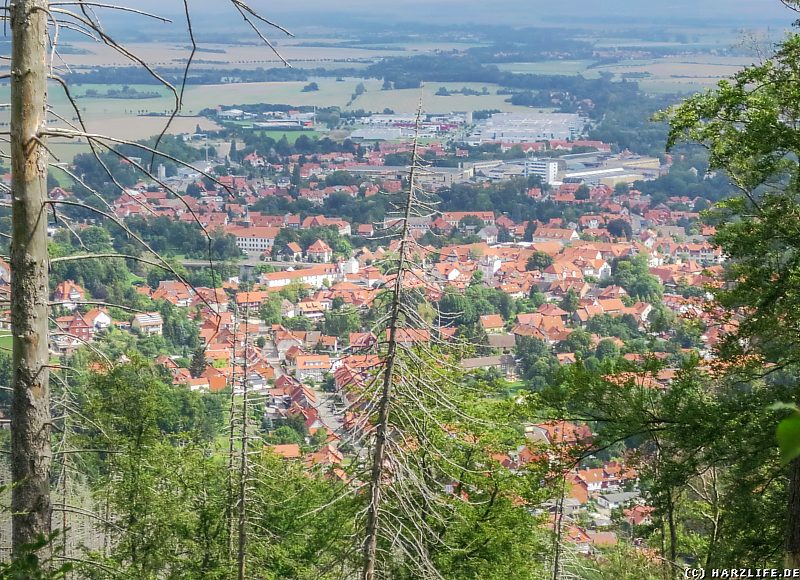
point(547, 169)
point(314, 276)
point(259, 239)
point(527, 128)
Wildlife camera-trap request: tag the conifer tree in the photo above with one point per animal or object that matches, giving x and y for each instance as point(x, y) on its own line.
point(199, 363)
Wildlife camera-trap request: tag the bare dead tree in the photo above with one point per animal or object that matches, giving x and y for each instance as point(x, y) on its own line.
point(30, 443)
point(405, 404)
point(382, 423)
point(407, 379)
point(35, 28)
point(244, 462)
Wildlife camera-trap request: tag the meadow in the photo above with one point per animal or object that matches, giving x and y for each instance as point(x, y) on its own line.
point(141, 118)
point(124, 118)
point(325, 53)
point(672, 74)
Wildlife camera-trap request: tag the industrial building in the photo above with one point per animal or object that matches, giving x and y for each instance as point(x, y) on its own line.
point(527, 128)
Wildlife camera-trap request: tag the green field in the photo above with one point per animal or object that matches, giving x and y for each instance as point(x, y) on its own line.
point(407, 100)
point(331, 93)
point(123, 117)
point(135, 119)
point(676, 73)
point(674, 86)
point(291, 136)
point(65, 151)
point(5, 341)
point(551, 67)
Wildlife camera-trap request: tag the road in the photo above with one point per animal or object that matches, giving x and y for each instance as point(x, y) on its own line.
point(327, 413)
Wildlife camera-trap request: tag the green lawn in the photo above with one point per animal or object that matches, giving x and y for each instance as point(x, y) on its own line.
point(5, 341)
point(515, 387)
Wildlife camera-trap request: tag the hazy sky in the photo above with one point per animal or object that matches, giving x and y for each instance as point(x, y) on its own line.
point(519, 12)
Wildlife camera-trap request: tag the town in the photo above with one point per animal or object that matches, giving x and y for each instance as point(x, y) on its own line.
point(413, 297)
point(617, 274)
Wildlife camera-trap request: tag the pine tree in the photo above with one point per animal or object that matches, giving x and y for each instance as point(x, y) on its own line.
point(199, 363)
point(234, 154)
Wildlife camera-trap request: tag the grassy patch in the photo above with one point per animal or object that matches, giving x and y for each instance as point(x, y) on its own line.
point(291, 136)
point(5, 341)
point(512, 389)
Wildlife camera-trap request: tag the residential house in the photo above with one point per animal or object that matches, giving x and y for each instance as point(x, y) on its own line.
point(313, 309)
point(601, 539)
point(252, 300)
point(505, 343)
point(489, 234)
point(559, 433)
point(69, 295)
point(617, 499)
point(506, 364)
point(284, 342)
point(285, 451)
point(638, 515)
point(290, 252)
point(492, 323)
point(98, 318)
point(315, 276)
point(560, 235)
point(365, 230)
point(311, 367)
point(288, 309)
point(362, 340)
point(579, 539)
point(75, 325)
point(175, 292)
point(148, 323)
point(217, 379)
point(5, 272)
point(453, 218)
point(319, 251)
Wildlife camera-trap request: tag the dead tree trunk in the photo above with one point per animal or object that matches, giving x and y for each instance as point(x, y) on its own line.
point(376, 477)
point(30, 427)
point(244, 470)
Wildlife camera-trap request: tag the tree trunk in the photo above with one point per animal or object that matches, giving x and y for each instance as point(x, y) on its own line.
point(793, 526)
point(673, 534)
point(376, 474)
point(370, 548)
point(30, 427)
point(244, 472)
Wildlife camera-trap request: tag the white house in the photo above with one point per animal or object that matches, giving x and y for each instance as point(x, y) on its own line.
point(489, 266)
point(148, 324)
point(312, 367)
point(98, 318)
point(258, 239)
point(615, 500)
point(315, 276)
